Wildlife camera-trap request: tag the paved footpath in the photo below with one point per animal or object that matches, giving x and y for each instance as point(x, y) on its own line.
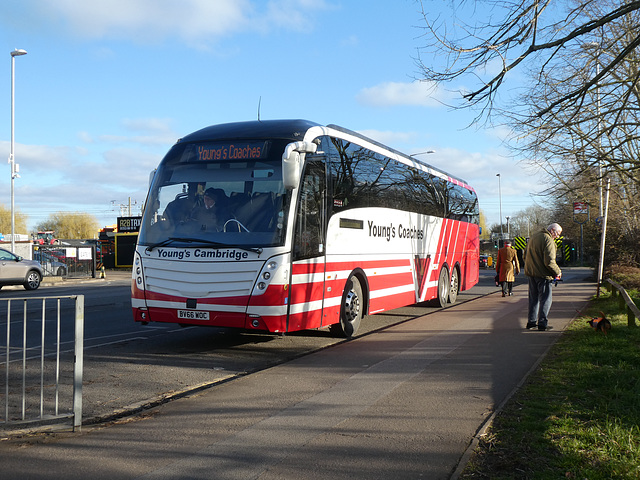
point(405, 402)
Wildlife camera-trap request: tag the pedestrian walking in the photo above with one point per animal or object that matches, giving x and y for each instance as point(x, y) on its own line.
point(507, 267)
point(541, 269)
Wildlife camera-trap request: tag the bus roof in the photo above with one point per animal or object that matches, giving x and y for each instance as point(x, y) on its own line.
point(290, 130)
point(286, 129)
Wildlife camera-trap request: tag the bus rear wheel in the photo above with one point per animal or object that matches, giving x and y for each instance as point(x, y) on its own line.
point(454, 286)
point(444, 286)
point(350, 310)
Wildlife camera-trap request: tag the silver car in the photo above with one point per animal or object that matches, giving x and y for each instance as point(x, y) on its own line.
point(15, 270)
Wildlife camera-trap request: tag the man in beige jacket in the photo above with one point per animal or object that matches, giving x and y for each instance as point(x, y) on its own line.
point(541, 268)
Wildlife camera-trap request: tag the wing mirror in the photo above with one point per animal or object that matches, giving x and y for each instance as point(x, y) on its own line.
point(291, 162)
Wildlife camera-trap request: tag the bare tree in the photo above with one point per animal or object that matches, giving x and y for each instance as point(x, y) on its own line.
point(526, 222)
point(530, 31)
point(581, 104)
point(596, 137)
point(577, 118)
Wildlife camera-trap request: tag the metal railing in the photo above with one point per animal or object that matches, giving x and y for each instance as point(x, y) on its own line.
point(66, 260)
point(43, 357)
point(624, 299)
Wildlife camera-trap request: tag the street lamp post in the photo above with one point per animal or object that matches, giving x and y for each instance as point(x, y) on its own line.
point(596, 46)
point(12, 160)
point(500, 197)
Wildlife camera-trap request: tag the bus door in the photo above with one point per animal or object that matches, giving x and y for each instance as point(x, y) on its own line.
point(309, 242)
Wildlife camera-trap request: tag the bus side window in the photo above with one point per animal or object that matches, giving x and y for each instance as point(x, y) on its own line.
point(310, 216)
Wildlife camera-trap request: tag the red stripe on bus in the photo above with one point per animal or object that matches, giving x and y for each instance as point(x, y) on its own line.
point(381, 282)
point(369, 264)
point(306, 292)
point(307, 268)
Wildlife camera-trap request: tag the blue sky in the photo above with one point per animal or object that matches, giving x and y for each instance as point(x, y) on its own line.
point(108, 86)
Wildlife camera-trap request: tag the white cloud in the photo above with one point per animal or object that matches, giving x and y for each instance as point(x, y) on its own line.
point(197, 23)
point(420, 94)
point(150, 20)
point(86, 185)
point(517, 187)
point(42, 158)
point(290, 14)
point(53, 178)
point(154, 131)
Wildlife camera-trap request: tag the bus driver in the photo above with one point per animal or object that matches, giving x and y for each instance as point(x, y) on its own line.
point(211, 214)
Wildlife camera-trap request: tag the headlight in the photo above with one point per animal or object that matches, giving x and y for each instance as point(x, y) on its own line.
point(137, 271)
point(266, 276)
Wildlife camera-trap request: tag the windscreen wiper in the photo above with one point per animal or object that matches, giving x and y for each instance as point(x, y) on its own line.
point(163, 243)
point(169, 240)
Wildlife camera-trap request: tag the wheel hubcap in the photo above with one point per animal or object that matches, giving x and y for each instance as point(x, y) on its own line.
point(352, 306)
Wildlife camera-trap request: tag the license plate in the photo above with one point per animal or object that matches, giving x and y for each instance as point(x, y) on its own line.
point(193, 314)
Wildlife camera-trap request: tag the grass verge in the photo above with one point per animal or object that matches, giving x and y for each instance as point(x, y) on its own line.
point(578, 415)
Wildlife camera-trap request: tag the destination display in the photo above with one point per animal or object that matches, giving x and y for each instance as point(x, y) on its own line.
point(232, 151)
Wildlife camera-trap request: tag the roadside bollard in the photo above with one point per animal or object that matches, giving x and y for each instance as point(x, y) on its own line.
point(102, 275)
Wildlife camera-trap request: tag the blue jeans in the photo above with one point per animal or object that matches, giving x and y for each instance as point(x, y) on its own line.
point(540, 299)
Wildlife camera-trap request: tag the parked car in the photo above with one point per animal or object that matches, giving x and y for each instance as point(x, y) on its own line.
point(485, 261)
point(51, 261)
point(15, 270)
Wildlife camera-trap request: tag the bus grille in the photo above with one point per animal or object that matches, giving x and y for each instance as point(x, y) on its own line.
point(201, 280)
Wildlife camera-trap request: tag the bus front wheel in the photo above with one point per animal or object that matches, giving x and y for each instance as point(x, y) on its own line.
point(350, 310)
